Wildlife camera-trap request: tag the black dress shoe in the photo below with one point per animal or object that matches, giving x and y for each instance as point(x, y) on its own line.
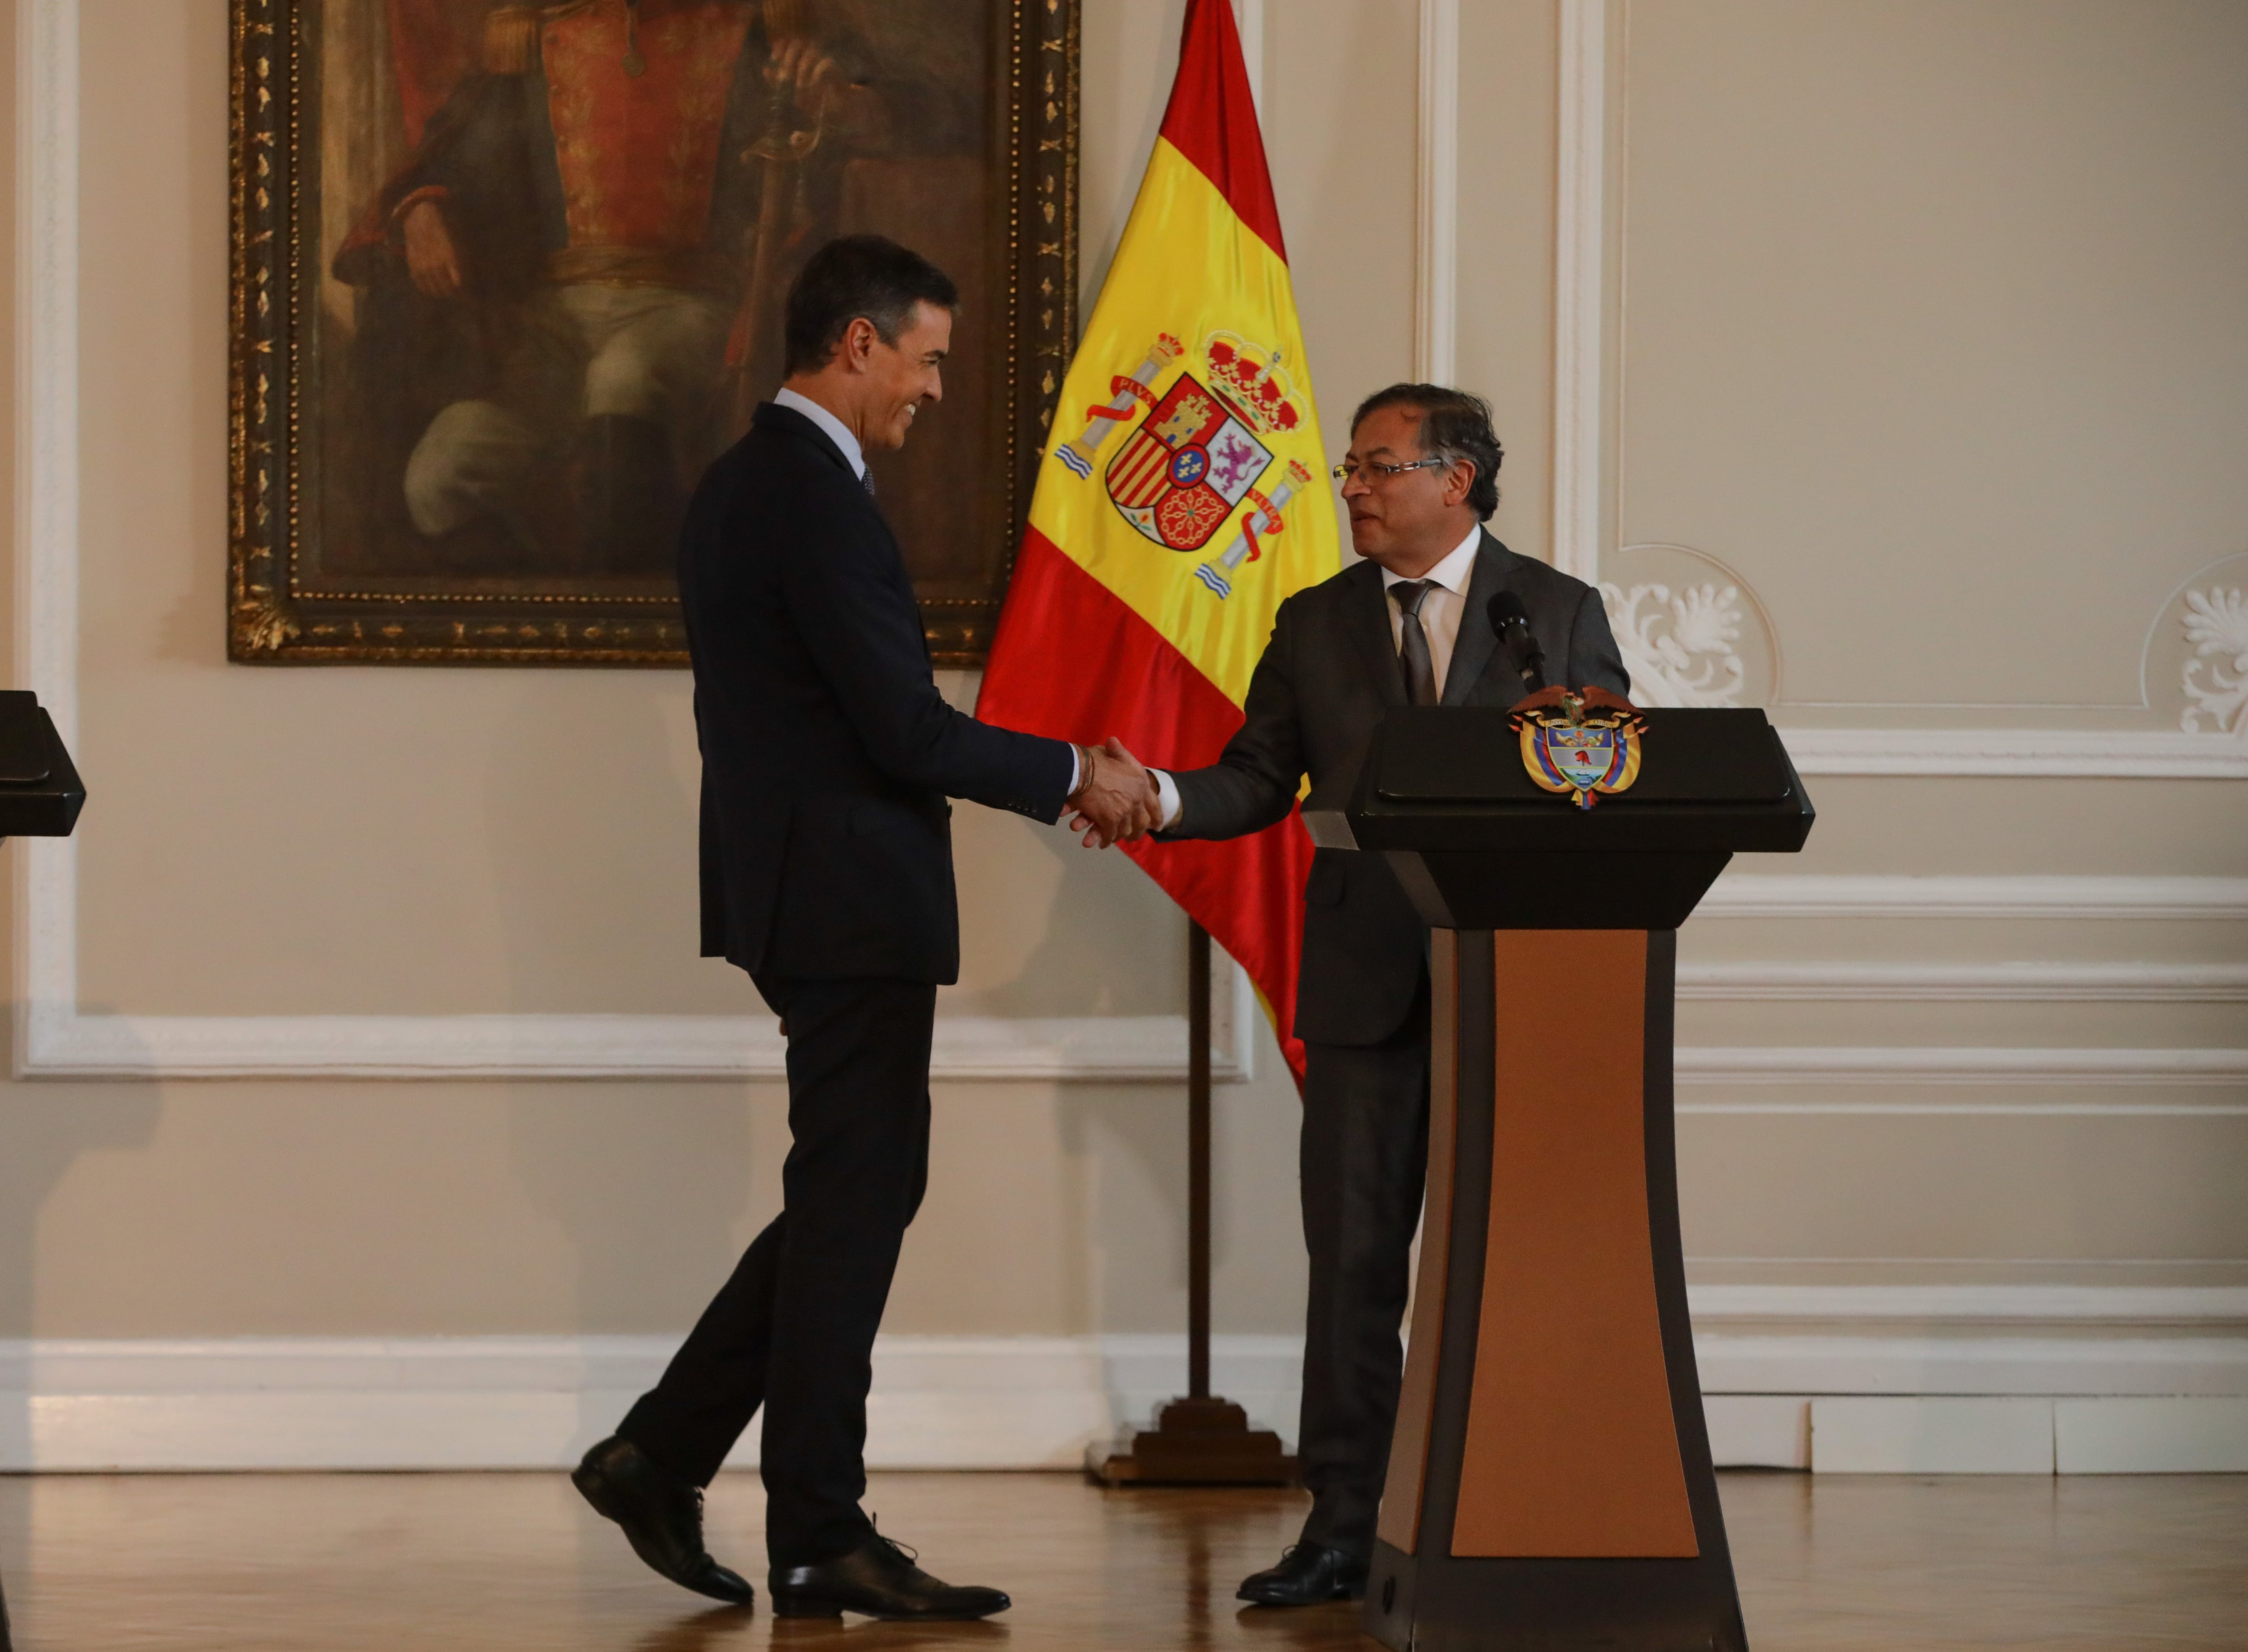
point(1307, 1574)
point(879, 1579)
point(662, 1515)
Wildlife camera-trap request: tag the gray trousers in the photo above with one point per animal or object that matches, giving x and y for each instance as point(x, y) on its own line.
point(588, 351)
point(1365, 1160)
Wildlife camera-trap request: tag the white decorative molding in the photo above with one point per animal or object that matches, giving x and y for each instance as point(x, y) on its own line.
point(2216, 678)
point(1579, 288)
point(2022, 982)
point(1111, 1048)
point(1435, 308)
point(1945, 1065)
point(1753, 895)
point(1765, 1353)
point(57, 1041)
point(46, 355)
point(2050, 1309)
point(2155, 754)
point(1680, 650)
point(1249, 22)
point(46, 467)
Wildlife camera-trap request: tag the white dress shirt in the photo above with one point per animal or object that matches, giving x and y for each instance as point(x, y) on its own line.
point(839, 432)
point(831, 426)
point(1441, 608)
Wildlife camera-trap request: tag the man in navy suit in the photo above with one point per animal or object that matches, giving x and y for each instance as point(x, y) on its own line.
point(827, 759)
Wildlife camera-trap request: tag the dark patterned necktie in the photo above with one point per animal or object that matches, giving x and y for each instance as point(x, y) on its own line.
point(1413, 643)
point(866, 481)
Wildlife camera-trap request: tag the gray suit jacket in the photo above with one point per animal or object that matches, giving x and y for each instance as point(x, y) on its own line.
point(1327, 676)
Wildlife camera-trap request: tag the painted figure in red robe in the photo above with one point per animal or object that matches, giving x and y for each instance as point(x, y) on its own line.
point(567, 291)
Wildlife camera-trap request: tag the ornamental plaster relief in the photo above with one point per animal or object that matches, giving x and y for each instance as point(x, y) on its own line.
point(2194, 672)
point(1691, 631)
point(2216, 679)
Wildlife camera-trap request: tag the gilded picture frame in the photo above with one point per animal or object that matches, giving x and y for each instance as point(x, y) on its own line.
point(504, 278)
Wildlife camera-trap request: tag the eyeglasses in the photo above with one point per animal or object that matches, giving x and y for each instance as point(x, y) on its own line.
point(1373, 470)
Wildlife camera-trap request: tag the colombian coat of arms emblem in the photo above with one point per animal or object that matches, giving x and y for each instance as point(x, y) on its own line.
point(1580, 741)
point(1201, 452)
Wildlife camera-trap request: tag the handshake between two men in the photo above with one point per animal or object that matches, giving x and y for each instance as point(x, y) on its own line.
point(1116, 800)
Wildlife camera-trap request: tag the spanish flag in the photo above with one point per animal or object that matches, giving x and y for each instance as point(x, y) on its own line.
point(1181, 499)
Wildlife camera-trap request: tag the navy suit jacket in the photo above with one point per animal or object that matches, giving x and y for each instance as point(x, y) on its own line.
point(1320, 689)
point(828, 752)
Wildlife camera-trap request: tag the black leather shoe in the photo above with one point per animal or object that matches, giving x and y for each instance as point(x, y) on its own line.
point(1307, 1575)
point(662, 1515)
point(879, 1579)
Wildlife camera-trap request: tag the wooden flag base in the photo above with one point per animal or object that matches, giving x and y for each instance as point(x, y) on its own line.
point(1195, 1442)
point(1199, 1440)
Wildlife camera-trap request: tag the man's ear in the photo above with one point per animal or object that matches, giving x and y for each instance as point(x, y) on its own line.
point(859, 341)
point(1458, 480)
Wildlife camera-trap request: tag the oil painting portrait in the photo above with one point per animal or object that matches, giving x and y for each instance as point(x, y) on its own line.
point(508, 277)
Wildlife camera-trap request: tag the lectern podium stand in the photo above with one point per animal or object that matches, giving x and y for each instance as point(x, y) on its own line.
point(40, 796)
point(1550, 1484)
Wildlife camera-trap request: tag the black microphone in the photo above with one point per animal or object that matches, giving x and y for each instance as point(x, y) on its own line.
point(1512, 621)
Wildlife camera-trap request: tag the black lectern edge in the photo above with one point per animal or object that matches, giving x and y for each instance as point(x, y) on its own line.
point(47, 807)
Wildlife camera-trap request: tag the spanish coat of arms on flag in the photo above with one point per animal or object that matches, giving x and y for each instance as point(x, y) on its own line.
point(1175, 507)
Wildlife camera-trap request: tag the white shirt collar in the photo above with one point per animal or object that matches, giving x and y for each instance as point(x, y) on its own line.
point(1454, 570)
point(831, 426)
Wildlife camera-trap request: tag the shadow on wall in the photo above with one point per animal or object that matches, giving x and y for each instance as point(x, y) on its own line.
point(1111, 942)
point(651, 1182)
point(1134, 1141)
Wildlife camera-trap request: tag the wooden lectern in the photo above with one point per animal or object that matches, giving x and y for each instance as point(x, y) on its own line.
point(1550, 1484)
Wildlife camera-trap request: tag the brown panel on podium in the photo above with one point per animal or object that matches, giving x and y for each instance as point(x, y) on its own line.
point(1399, 1526)
point(1571, 1446)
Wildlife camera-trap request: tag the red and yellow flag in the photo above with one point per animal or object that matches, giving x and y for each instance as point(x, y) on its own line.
point(1182, 497)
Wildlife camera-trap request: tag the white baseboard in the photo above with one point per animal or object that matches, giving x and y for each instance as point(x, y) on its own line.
point(2150, 1437)
point(537, 1403)
point(2125, 1380)
point(1931, 1435)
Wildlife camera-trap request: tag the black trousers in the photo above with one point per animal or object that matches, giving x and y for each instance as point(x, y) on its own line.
point(1365, 1161)
point(793, 1329)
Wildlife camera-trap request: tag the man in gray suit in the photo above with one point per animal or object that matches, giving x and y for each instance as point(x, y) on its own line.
point(1410, 624)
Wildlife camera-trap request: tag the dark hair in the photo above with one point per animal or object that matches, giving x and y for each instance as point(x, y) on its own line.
point(854, 276)
point(1454, 425)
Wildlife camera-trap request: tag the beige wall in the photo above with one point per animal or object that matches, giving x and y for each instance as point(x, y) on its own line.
point(1932, 325)
point(1892, 410)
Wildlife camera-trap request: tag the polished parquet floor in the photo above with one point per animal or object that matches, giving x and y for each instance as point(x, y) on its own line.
point(350, 1563)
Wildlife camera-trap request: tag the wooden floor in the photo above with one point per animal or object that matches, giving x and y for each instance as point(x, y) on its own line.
point(322, 1563)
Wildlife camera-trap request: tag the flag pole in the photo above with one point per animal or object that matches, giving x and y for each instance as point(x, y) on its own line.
point(1203, 1439)
point(1197, 1162)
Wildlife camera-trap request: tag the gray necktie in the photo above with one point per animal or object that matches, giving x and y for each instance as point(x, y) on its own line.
point(1413, 649)
point(866, 481)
